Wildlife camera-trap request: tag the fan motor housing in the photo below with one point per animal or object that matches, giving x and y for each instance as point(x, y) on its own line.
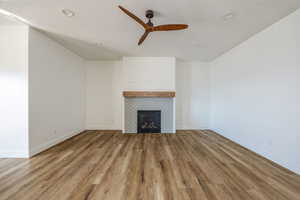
point(149, 14)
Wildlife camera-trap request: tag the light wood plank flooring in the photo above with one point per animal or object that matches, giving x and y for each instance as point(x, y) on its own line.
point(197, 165)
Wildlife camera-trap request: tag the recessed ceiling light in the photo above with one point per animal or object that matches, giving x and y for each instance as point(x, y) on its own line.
point(68, 13)
point(228, 16)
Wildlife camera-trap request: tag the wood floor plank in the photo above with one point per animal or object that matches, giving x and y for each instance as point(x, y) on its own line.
point(189, 165)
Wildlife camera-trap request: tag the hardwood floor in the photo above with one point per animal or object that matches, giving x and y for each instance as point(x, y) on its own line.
point(189, 165)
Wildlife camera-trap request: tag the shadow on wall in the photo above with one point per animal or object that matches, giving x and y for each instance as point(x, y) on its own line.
point(85, 49)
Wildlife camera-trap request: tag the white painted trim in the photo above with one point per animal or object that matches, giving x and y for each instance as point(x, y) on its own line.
point(219, 131)
point(192, 129)
point(174, 115)
point(13, 154)
point(51, 143)
point(123, 114)
point(101, 126)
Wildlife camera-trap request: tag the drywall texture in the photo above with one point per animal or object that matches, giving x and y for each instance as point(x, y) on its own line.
point(256, 93)
point(56, 92)
point(13, 91)
point(103, 95)
point(148, 73)
point(105, 85)
point(132, 105)
point(192, 95)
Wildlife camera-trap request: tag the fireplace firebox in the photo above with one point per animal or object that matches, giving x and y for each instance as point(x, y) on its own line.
point(149, 121)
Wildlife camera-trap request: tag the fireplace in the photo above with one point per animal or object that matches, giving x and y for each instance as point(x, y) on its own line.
point(164, 107)
point(149, 121)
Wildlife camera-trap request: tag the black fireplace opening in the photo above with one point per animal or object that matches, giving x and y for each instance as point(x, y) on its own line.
point(149, 121)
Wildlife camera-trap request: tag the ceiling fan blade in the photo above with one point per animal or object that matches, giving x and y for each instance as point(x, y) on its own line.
point(138, 20)
point(144, 36)
point(170, 27)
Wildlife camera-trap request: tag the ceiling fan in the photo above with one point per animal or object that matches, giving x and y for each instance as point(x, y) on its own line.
point(149, 27)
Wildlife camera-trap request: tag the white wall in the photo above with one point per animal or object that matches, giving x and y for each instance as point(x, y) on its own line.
point(13, 91)
point(256, 93)
point(104, 80)
point(56, 92)
point(149, 73)
point(104, 95)
point(192, 95)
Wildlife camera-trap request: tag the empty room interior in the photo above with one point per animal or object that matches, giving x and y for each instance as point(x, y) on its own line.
point(150, 100)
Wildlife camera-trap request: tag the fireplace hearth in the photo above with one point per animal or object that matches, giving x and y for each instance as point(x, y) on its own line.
point(149, 121)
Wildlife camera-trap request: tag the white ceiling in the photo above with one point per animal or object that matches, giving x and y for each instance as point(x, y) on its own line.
point(100, 30)
point(6, 21)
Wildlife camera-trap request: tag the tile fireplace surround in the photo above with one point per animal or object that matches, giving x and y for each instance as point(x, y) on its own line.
point(142, 100)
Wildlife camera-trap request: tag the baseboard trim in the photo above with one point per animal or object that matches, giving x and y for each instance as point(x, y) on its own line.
point(272, 162)
point(13, 154)
point(52, 143)
point(104, 131)
point(202, 129)
point(120, 131)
